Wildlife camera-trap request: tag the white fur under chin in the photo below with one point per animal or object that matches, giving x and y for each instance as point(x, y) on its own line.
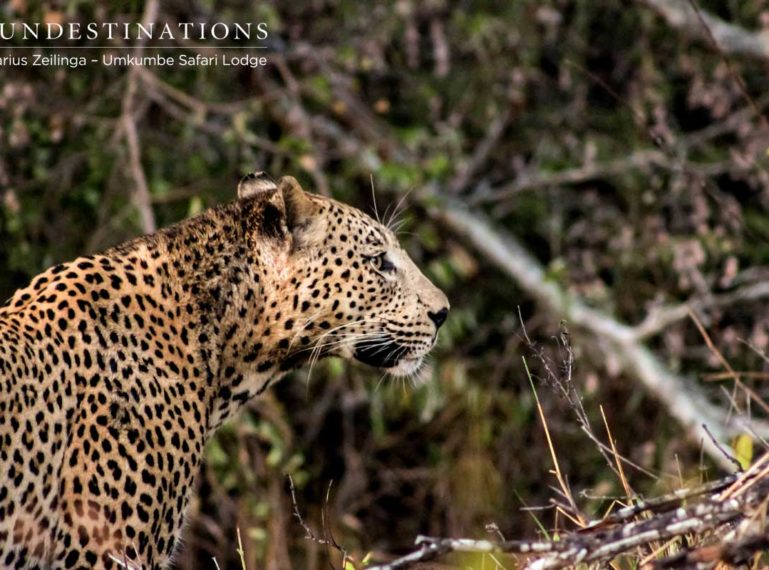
point(406, 367)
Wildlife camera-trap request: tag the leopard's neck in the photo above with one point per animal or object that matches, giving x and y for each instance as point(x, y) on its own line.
point(223, 273)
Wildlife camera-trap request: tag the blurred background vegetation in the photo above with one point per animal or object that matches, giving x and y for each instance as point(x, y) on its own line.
point(627, 156)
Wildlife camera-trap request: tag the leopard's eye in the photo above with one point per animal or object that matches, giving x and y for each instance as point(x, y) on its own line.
point(382, 263)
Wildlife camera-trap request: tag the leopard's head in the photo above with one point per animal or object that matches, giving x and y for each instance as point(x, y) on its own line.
point(348, 287)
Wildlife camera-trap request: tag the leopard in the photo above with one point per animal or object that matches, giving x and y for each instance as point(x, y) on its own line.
point(116, 368)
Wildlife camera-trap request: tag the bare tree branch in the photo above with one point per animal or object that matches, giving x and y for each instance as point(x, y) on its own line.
point(660, 318)
point(141, 195)
point(731, 39)
point(637, 160)
point(682, 398)
point(673, 159)
point(467, 170)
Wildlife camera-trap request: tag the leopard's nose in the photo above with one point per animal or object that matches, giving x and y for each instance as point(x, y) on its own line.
point(438, 317)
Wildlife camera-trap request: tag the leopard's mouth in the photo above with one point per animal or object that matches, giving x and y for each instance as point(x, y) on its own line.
point(379, 353)
point(390, 356)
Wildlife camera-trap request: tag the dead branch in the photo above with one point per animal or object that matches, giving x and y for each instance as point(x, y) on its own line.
point(672, 159)
point(141, 195)
point(721, 512)
point(328, 539)
point(637, 160)
point(467, 170)
point(660, 318)
point(187, 109)
point(682, 398)
point(729, 38)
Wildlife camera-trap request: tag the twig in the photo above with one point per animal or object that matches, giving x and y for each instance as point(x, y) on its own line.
point(565, 388)
point(565, 489)
point(725, 453)
point(142, 198)
point(241, 552)
point(629, 493)
point(636, 160)
point(665, 502)
point(468, 169)
point(738, 382)
point(328, 541)
point(309, 534)
point(736, 553)
point(188, 110)
point(718, 376)
point(669, 158)
point(430, 548)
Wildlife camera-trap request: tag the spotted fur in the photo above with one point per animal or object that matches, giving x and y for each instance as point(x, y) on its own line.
point(116, 368)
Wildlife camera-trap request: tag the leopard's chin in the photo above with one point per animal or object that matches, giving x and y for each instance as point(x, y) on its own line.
point(405, 367)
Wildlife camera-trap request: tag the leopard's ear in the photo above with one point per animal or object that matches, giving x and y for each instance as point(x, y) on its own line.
point(255, 183)
point(301, 218)
point(299, 208)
